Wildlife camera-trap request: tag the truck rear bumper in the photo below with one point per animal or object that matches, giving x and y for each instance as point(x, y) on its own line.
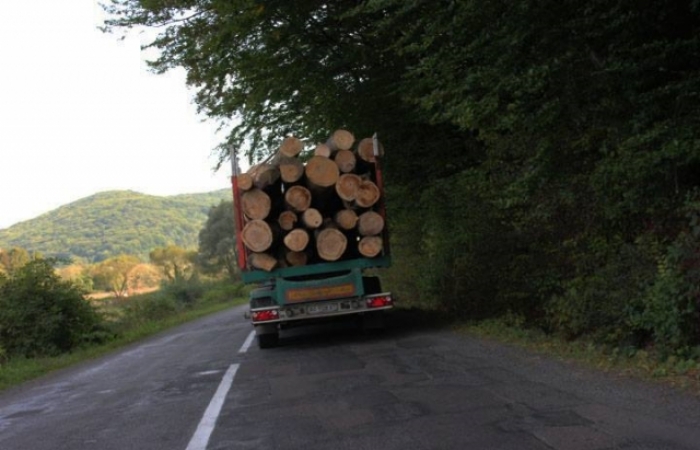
point(324, 309)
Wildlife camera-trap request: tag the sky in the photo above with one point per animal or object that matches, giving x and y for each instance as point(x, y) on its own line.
point(80, 114)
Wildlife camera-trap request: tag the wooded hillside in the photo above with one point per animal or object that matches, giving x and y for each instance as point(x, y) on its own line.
point(544, 159)
point(113, 223)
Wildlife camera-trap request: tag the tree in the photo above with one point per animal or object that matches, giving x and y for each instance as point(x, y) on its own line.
point(40, 314)
point(13, 259)
point(217, 242)
point(176, 263)
point(114, 274)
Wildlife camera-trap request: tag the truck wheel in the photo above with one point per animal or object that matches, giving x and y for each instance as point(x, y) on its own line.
point(268, 340)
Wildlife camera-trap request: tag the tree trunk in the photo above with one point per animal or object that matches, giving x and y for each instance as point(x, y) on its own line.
point(257, 236)
point(346, 219)
point(256, 204)
point(291, 169)
point(291, 146)
point(341, 140)
point(287, 220)
point(370, 246)
point(298, 198)
point(331, 244)
point(370, 223)
point(263, 261)
point(297, 240)
point(321, 172)
point(346, 161)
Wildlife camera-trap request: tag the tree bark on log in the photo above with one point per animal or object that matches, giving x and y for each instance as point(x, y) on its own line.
point(346, 161)
point(263, 261)
point(298, 198)
point(265, 175)
point(257, 236)
point(291, 146)
point(331, 244)
point(346, 219)
point(341, 140)
point(348, 186)
point(312, 218)
point(321, 172)
point(370, 246)
point(291, 169)
point(297, 240)
point(256, 204)
point(370, 223)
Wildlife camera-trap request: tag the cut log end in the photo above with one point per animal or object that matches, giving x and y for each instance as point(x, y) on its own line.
point(322, 172)
point(298, 198)
point(263, 261)
point(346, 161)
point(365, 150)
point(256, 204)
point(296, 259)
point(291, 146)
point(348, 186)
point(291, 169)
point(370, 223)
point(287, 220)
point(312, 218)
point(341, 140)
point(370, 246)
point(323, 150)
point(257, 236)
point(245, 181)
point(331, 244)
point(346, 219)
point(367, 194)
point(297, 240)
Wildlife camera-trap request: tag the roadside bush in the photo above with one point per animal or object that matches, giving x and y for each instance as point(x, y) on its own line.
point(40, 314)
point(184, 292)
point(149, 307)
point(223, 291)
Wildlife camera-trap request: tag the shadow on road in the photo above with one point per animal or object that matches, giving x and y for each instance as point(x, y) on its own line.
point(400, 323)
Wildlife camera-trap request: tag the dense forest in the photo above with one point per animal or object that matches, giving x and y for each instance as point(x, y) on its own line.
point(113, 223)
point(542, 156)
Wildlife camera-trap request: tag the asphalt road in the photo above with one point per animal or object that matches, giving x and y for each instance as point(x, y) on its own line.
point(411, 387)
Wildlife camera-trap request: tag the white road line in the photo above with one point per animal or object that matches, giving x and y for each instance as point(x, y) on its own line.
point(248, 341)
point(200, 439)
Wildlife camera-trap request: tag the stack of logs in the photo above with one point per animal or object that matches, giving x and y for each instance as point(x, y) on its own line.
point(325, 209)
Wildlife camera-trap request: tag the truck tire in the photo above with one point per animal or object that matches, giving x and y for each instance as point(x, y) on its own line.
point(268, 340)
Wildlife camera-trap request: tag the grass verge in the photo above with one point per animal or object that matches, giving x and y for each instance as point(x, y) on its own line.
point(636, 363)
point(19, 370)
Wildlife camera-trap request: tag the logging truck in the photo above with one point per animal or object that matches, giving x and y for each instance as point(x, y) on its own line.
point(309, 226)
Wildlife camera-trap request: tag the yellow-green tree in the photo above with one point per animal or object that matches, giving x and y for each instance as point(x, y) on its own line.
point(114, 274)
point(13, 259)
point(176, 263)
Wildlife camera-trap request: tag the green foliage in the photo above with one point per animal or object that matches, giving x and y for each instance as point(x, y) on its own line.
point(114, 274)
point(540, 153)
point(217, 242)
point(12, 260)
point(176, 263)
point(112, 223)
point(40, 314)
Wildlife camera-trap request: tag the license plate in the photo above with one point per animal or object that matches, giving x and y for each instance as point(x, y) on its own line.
point(324, 308)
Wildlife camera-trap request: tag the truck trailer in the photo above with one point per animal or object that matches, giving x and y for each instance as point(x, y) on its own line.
point(320, 291)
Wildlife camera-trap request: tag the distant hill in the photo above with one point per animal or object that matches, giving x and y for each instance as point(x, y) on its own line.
point(115, 222)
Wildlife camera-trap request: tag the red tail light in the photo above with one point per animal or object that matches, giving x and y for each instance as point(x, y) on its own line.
point(263, 316)
point(379, 302)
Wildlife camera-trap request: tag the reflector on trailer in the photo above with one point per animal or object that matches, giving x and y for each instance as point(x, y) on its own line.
point(268, 314)
point(379, 302)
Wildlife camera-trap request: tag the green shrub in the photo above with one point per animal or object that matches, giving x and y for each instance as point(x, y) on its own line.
point(223, 291)
point(40, 314)
point(149, 307)
point(184, 292)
